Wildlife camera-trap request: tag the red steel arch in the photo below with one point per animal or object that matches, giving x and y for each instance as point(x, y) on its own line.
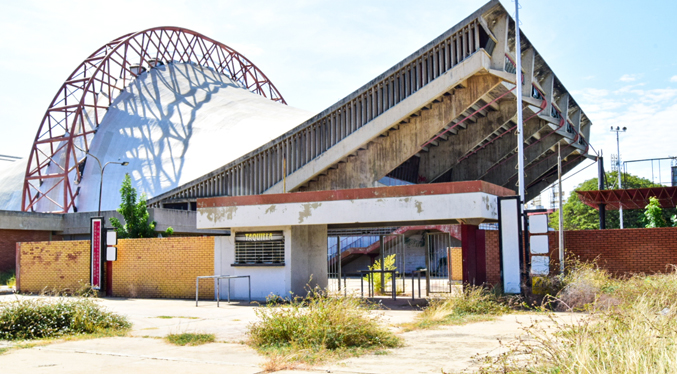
point(68, 127)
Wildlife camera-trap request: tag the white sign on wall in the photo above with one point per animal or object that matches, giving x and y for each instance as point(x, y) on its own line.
point(538, 244)
point(509, 236)
point(538, 224)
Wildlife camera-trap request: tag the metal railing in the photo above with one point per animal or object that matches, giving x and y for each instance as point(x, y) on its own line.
point(263, 168)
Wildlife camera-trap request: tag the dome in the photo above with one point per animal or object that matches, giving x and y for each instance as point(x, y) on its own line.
point(175, 123)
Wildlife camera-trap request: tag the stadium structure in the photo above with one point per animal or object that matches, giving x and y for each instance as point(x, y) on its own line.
point(411, 163)
point(194, 118)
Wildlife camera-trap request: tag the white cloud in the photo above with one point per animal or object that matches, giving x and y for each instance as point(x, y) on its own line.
point(629, 77)
point(673, 79)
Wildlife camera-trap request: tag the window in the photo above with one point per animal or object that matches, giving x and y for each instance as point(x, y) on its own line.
point(259, 249)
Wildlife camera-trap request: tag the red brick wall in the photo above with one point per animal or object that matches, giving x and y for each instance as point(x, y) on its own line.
point(618, 251)
point(622, 251)
point(493, 257)
point(8, 240)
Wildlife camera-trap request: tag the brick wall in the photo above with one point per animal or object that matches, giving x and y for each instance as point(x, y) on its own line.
point(456, 263)
point(146, 268)
point(619, 251)
point(622, 251)
point(493, 257)
point(8, 240)
point(163, 267)
point(60, 265)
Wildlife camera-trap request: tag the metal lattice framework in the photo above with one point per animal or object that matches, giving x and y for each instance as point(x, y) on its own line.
point(57, 157)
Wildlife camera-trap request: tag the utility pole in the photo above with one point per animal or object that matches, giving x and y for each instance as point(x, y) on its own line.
point(618, 130)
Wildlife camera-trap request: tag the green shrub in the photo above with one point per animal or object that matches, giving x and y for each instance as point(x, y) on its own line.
point(29, 318)
point(388, 264)
point(190, 338)
point(7, 278)
point(319, 323)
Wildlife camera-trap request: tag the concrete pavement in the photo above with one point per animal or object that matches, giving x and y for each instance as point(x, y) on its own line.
point(425, 351)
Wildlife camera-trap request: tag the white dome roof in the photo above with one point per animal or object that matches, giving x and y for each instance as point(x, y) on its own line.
point(174, 124)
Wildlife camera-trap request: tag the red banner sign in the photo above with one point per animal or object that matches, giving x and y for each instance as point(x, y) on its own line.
point(96, 230)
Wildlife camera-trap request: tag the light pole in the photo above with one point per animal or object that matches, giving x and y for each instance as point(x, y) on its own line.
point(103, 168)
point(618, 130)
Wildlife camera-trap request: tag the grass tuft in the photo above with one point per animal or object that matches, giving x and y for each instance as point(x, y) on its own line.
point(188, 338)
point(170, 317)
point(40, 318)
point(631, 327)
point(318, 328)
point(473, 304)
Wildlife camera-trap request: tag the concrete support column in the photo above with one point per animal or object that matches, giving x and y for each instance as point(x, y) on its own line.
point(308, 259)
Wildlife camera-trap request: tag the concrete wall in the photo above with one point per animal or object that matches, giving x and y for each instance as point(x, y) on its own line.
point(305, 264)
point(265, 280)
point(60, 266)
point(163, 267)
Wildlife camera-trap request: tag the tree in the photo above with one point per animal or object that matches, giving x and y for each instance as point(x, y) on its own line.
point(578, 216)
point(654, 214)
point(137, 221)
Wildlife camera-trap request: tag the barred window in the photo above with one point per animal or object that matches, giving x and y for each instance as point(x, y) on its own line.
point(259, 248)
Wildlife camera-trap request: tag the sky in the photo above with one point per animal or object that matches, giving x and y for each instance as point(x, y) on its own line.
point(617, 58)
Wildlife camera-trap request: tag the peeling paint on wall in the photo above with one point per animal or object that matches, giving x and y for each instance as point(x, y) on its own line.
point(305, 213)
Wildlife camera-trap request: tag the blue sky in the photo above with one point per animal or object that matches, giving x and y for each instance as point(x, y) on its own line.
point(617, 58)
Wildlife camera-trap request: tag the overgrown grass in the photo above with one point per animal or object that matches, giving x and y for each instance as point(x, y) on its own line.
point(188, 338)
point(631, 328)
point(38, 318)
point(473, 304)
point(7, 278)
point(316, 329)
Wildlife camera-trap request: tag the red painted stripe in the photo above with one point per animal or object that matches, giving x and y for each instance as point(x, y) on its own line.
point(358, 193)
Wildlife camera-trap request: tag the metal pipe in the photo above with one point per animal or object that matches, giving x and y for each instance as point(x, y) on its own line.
point(520, 125)
point(600, 186)
point(561, 213)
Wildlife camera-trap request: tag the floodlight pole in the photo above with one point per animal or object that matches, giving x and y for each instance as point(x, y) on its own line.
point(520, 127)
point(561, 213)
point(520, 138)
point(618, 130)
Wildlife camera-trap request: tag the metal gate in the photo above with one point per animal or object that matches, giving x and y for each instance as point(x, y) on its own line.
point(339, 250)
point(439, 262)
point(334, 270)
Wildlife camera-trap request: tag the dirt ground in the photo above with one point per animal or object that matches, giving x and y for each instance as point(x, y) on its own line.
point(446, 349)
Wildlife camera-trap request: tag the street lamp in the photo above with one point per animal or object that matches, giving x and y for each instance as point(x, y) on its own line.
point(124, 163)
point(618, 130)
